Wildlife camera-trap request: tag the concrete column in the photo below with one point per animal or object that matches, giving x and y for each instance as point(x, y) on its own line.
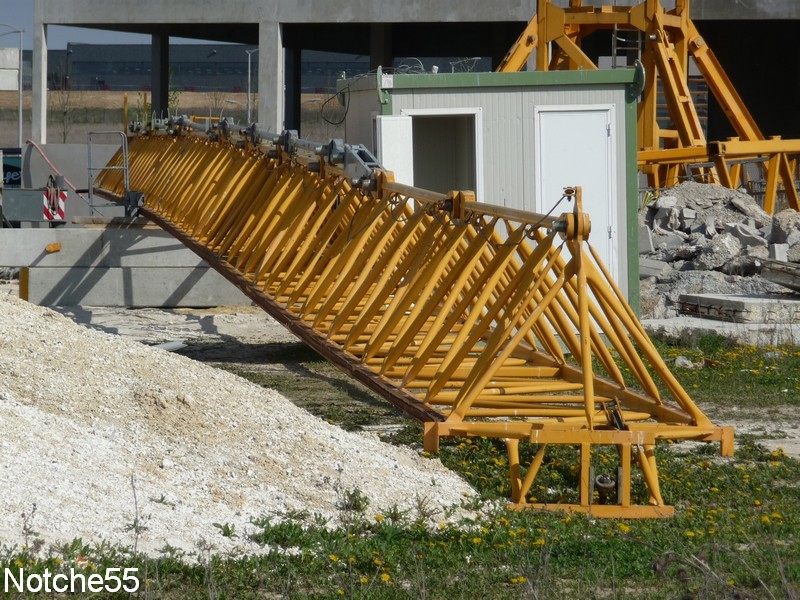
point(160, 74)
point(380, 45)
point(293, 88)
point(39, 85)
point(270, 76)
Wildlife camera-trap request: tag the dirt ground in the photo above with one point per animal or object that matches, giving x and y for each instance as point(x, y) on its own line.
point(116, 99)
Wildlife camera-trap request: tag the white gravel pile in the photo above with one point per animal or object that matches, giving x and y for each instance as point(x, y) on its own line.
point(87, 417)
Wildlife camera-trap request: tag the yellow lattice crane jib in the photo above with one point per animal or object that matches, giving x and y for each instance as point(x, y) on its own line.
point(475, 319)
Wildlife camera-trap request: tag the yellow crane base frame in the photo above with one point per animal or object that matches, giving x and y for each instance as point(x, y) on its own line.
point(670, 37)
point(477, 320)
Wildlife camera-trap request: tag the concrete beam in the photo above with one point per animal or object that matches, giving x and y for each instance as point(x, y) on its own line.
point(89, 247)
point(205, 12)
point(112, 267)
point(132, 287)
point(742, 308)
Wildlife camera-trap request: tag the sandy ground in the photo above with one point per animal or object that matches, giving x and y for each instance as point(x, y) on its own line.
point(102, 433)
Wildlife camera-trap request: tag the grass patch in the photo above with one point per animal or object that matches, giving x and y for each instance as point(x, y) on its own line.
point(734, 536)
point(735, 533)
point(742, 376)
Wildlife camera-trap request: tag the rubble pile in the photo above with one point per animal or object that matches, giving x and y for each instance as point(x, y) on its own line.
point(706, 239)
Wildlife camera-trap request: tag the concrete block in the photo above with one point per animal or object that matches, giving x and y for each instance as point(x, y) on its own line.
point(652, 268)
point(645, 240)
point(779, 252)
point(742, 308)
point(88, 247)
point(671, 241)
point(131, 287)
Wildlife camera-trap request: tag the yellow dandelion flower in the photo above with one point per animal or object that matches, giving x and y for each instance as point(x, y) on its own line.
point(476, 540)
point(765, 519)
point(364, 580)
point(539, 542)
point(379, 518)
point(757, 502)
point(623, 528)
point(690, 534)
point(385, 577)
point(333, 558)
point(340, 591)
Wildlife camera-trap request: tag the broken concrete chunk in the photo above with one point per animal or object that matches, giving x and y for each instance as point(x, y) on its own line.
point(721, 250)
point(689, 251)
point(748, 236)
point(747, 206)
point(794, 254)
point(684, 363)
point(779, 252)
point(688, 217)
point(793, 238)
point(784, 224)
point(666, 202)
point(652, 268)
point(742, 266)
point(670, 241)
point(667, 218)
point(757, 251)
point(645, 240)
point(709, 227)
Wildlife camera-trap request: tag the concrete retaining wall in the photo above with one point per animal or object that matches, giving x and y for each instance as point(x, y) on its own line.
point(134, 287)
point(112, 267)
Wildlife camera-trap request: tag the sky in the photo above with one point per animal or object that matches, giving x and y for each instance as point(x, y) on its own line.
point(19, 14)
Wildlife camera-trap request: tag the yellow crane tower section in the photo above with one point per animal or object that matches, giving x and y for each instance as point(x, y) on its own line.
point(555, 35)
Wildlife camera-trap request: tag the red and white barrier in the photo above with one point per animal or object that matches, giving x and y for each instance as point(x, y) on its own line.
point(54, 204)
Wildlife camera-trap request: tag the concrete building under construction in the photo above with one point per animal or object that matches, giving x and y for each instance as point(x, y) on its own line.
point(747, 37)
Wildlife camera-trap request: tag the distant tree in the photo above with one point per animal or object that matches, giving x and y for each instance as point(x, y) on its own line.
point(63, 102)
